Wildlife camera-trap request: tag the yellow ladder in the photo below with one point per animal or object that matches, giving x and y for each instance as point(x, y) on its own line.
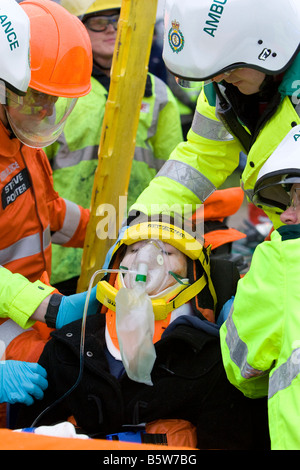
point(117, 142)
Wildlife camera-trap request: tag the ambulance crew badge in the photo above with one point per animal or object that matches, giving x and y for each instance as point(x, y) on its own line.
point(176, 39)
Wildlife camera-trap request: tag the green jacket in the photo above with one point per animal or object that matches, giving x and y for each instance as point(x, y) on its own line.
point(260, 340)
point(20, 297)
point(201, 164)
point(74, 156)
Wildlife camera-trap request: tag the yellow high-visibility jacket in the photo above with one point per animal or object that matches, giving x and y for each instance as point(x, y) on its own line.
point(260, 339)
point(201, 164)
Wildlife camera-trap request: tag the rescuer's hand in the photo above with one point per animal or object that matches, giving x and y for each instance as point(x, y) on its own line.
point(21, 382)
point(72, 306)
point(225, 311)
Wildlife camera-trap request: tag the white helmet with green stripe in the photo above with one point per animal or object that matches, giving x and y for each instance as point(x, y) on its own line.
point(279, 173)
point(204, 38)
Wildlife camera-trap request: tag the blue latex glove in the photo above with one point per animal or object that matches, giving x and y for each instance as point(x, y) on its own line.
point(72, 306)
point(21, 382)
point(225, 311)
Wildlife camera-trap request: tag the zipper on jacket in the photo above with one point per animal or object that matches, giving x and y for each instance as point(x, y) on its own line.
point(36, 209)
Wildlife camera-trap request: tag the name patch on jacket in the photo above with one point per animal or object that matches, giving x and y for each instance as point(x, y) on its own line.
point(15, 188)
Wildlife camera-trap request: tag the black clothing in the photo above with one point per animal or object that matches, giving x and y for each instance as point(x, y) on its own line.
point(189, 383)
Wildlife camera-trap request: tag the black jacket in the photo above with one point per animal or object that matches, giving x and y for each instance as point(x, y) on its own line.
point(189, 383)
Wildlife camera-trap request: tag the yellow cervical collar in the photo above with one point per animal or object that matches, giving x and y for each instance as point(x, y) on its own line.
point(106, 294)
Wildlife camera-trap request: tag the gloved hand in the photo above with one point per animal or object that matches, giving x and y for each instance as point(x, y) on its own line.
point(72, 306)
point(225, 311)
point(21, 382)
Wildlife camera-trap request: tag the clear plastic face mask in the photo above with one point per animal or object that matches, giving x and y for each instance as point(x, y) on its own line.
point(221, 75)
point(165, 264)
point(37, 119)
point(188, 83)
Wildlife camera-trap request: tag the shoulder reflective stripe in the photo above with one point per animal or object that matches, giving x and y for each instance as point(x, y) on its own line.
point(285, 374)
point(160, 90)
point(9, 330)
point(188, 177)
point(161, 99)
point(239, 351)
point(209, 128)
point(27, 246)
point(71, 222)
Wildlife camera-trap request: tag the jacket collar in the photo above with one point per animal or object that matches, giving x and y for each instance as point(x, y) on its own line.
point(289, 232)
point(9, 144)
point(287, 86)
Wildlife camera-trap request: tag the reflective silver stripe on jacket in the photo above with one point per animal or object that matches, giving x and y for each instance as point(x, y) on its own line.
point(285, 374)
point(239, 351)
point(9, 330)
point(66, 158)
point(297, 109)
point(161, 100)
point(27, 246)
point(210, 129)
point(146, 155)
point(188, 177)
point(71, 222)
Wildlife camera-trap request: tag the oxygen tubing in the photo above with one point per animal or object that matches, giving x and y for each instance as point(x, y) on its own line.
point(82, 342)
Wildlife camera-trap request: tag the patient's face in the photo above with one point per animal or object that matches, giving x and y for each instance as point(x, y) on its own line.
point(160, 258)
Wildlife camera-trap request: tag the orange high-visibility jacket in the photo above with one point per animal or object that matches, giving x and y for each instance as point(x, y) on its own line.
point(32, 213)
point(32, 216)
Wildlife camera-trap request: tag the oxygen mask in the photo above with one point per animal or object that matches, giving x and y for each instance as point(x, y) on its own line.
point(165, 264)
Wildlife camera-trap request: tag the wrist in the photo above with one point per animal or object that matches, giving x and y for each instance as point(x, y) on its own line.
point(52, 310)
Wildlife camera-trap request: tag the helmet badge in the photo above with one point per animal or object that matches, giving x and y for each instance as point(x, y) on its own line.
point(176, 39)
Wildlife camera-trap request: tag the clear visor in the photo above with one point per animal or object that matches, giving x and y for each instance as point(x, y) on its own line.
point(37, 119)
point(275, 191)
point(218, 77)
point(183, 83)
point(294, 194)
point(166, 265)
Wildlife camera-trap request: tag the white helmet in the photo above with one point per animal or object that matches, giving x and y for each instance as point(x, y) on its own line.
point(204, 38)
point(279, 173)
point(14, 47)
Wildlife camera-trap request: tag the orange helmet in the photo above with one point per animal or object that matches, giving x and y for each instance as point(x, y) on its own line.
point(61, 53)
